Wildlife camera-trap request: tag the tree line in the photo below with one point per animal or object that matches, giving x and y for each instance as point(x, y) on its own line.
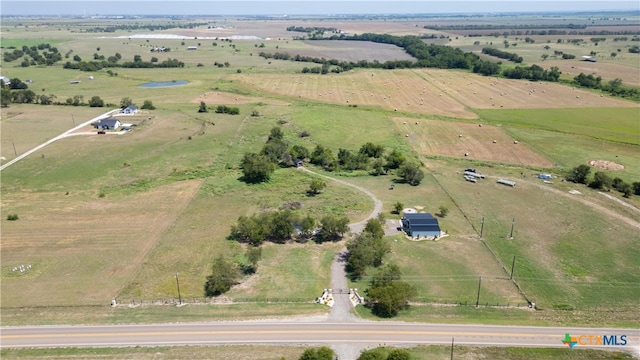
point(112, 62)
point(602, 181)
point(613, 87)
point(502, 54)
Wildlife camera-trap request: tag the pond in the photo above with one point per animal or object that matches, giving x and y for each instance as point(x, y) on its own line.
point(163, 84)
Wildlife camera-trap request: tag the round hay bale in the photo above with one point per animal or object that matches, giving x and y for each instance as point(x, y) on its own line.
point(515, 142)
point(495, 141)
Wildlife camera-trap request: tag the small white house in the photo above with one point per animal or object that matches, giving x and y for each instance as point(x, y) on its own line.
point(5, 80)
point(130, 110)
point(108, 124)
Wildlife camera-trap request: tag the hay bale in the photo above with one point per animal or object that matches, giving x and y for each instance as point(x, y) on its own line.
point(495, 141)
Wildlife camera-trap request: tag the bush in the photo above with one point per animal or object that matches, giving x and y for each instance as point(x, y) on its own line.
point(443, 211)
point(12, 217)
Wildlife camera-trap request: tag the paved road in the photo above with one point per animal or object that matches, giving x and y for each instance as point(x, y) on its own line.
point(61, 136)
point(279, 332)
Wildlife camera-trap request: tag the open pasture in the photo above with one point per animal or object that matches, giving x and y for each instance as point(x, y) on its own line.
point(482, 92)
point(455, 139)
point(81, 248)
point(353, 51)
point(392, 90)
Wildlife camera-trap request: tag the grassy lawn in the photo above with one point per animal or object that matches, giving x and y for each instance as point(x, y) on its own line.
point(618, 125)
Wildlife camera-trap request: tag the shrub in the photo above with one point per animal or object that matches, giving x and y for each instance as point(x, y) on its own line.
point(12, 217)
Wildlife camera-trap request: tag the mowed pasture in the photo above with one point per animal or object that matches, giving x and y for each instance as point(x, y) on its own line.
point(398, 90)
point(483, 92)
point(352, 51)
point(474, 141)
point(81, 248)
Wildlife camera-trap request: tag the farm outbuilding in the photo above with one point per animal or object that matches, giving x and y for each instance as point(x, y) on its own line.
point(108, 124)
point(420, 225)
point(130, 110)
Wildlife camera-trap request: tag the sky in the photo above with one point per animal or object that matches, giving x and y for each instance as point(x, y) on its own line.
point(299, 7)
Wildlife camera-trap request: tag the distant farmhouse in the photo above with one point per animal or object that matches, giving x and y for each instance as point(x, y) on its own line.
point(421, 225)
point(5, 81)
point(108, 124)
point(130, 110)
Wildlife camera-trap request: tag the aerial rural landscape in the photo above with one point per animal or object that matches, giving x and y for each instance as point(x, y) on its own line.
point(394, 170)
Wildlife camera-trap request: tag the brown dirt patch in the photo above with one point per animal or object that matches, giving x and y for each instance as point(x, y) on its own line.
point(436, 137)
point(606, 165)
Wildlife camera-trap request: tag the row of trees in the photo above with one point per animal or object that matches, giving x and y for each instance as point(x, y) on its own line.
point(285, 225)
point(502, 54)
point(379, 353)
point(533, 72)
point(387, 293)
point(602, 181)
point(613, 87)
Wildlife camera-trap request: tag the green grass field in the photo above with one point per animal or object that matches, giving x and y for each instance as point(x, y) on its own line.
point(617, 125)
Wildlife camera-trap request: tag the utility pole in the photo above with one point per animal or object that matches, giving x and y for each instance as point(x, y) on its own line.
point(451, 348)
point(478, 298)
point(74, 120)
point(513, 264)
point(512, 224)
point(481, 227)
point(178, 284)
point(14, 148)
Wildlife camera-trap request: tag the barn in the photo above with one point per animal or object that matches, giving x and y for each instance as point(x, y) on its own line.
point(420, 225)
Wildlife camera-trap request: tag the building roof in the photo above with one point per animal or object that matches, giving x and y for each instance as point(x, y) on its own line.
point(131, 107)
point(421, 219)
point(108, 121)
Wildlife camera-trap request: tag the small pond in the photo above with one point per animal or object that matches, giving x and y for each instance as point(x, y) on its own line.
point(163, 84)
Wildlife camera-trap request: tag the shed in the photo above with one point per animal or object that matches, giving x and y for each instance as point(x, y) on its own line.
point(192, 48)
point(420, 225)
point(544, 176)
point(108, 124)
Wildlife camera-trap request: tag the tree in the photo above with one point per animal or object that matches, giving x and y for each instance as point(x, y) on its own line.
point(77, 58)
point(257, 168)
point(579, 174)
point(332, 228)
point(203, 107)
point(5, 97)
point(224, 274)
point(367, 249)
point(374, 227)
point(96, 101)
point(399, 354)
point(299, 152)
point(148, 105)
point(636, 187)
point(125, 102)
point(322, 353)
point(307, 225)
point(395, 159)
point(276, 134)
point(397, 207)
point(388, 293)
point(316, 186)
point(372, 150)
point(443, 211)
point(373, 354)
point(601, 181)
point(46, 100)
point(253, 255)
point(411, 173)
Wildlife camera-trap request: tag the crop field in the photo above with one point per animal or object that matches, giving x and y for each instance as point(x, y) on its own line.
point(391, 90)
point(456, 139)
point(105, 216)
point(482, 92)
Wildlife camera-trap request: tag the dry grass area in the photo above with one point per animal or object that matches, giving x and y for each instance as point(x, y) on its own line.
point(223, 98)
point(352, 51)
point(435, 137)
point(84, 249)
point(481, 92)
point(607, 70)
point(396, 90)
